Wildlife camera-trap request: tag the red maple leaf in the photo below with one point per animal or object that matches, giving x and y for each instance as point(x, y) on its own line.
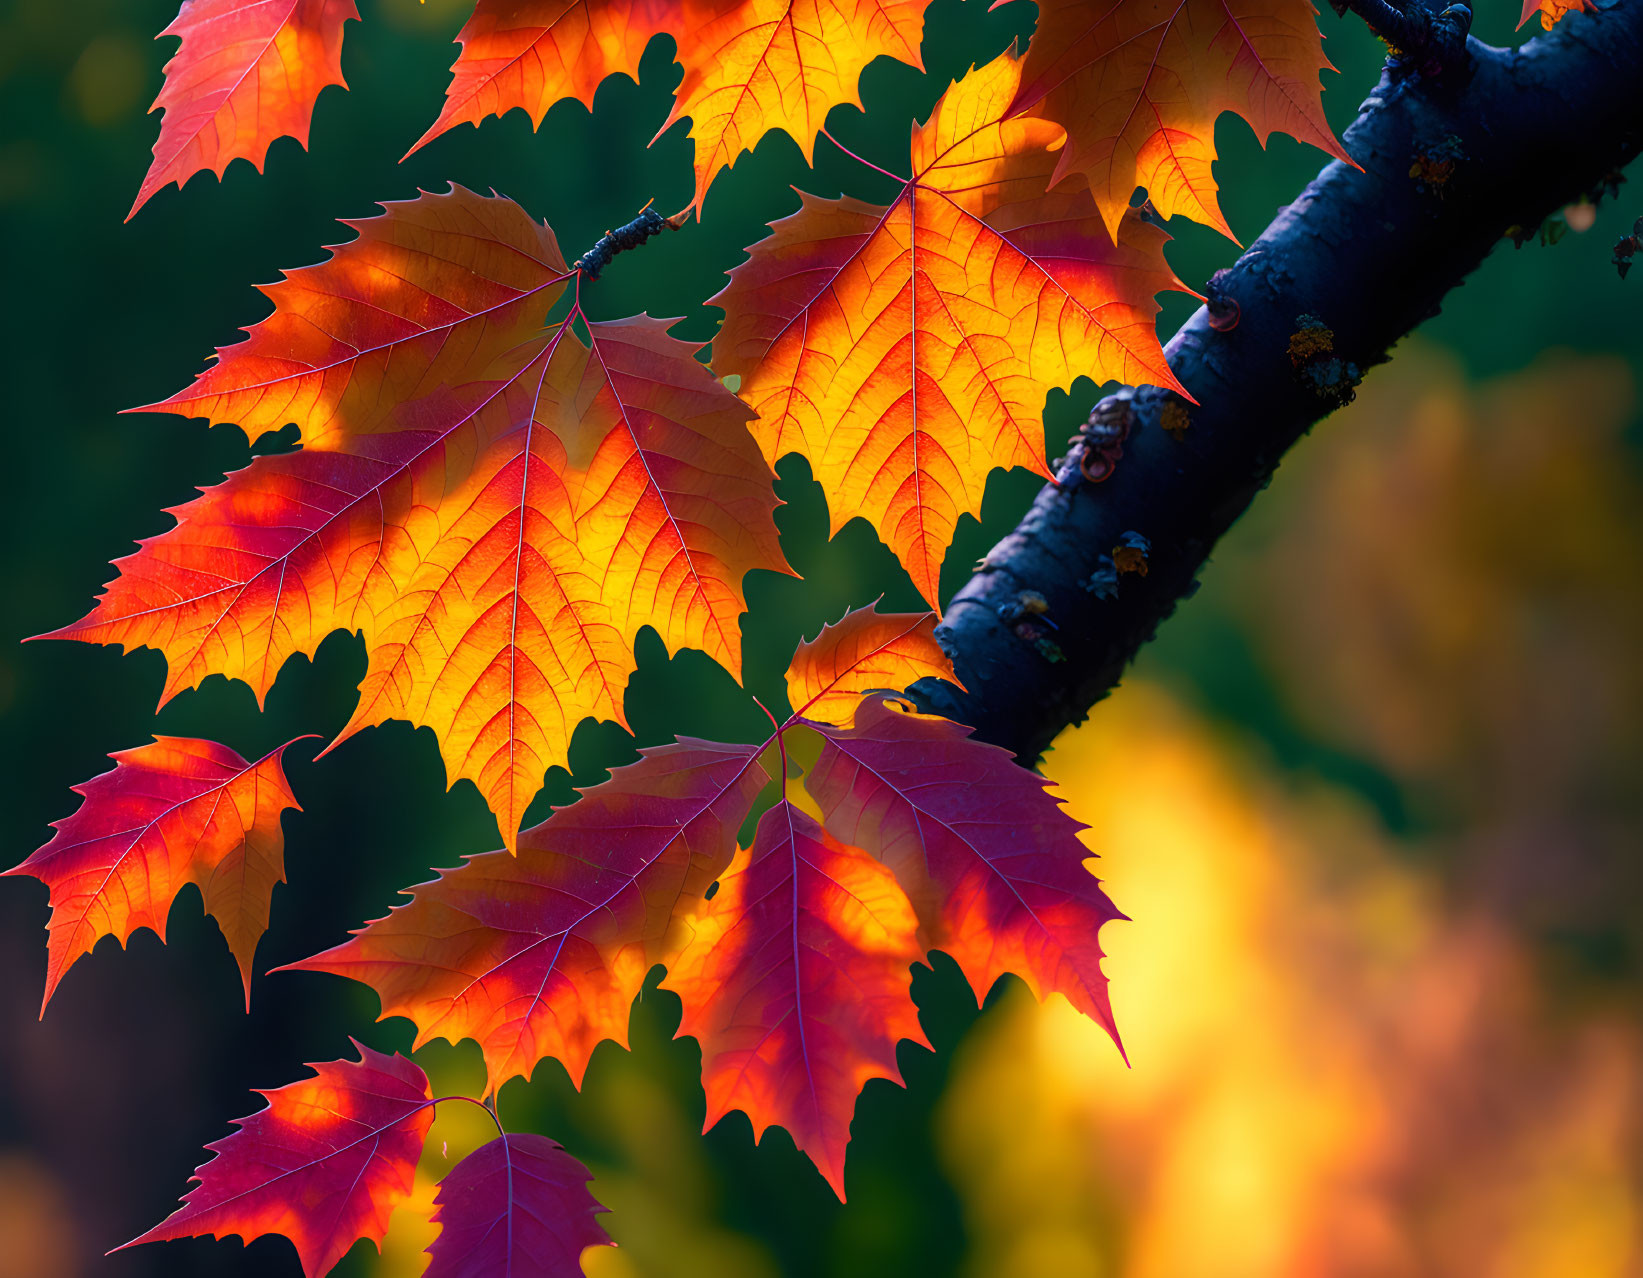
point(518, 1207)
point(991, 861)
point(541, 954)
point(324, 1164)
point(171, 813)
point(247, 72)
point(795, 982)
point(794, 973)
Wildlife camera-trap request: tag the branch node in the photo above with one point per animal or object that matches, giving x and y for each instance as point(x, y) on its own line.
point(1432, 43)
point(1103, 435)
point(1223, 308)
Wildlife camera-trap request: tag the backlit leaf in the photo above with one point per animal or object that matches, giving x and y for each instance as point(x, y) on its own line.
point(1138, 85)
point(616, 487)
point(795, 981)
point(247, 72)
point(324, 1164)
point(531, 53)
point(171, 813)
point(782, 64)
point(431, 291)
point(500, 537)
point(908, 350)
point(866, 651)
point(518, 1207)
point(993, 865)
point(542, 954)
point(1552, 10)
point(750, 66)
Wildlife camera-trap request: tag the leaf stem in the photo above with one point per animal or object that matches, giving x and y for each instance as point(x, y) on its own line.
point(491, 1113)
point(894, 177)
point(781, 743)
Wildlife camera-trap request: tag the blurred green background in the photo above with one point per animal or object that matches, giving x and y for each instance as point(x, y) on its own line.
point(1432, 620)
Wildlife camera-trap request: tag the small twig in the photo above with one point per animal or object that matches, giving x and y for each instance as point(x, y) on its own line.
point(1433, 42)
point(648, 223)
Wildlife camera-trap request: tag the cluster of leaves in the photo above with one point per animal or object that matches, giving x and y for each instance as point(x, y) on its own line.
point(1138, 86)
point(498, 492)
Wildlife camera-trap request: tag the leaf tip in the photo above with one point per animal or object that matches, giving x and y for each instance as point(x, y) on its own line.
point(434, 130)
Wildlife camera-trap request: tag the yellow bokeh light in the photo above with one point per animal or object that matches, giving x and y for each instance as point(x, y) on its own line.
point(1332, 1074)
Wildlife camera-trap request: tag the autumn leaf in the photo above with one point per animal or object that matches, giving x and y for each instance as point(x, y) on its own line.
point(542, 954)
point(429, 294)
point(1139, 84)
point(324, 1164)
point(750, 66)
point(908, 350)
point(499, 541)
point(531, 53)
point(518, 1207)
point(622, 490)
point(992, 864)
point(795, 982)
point(171, 813)
point(1551, 11)
point(867, 651)
point(760, 65)
point(247, 72)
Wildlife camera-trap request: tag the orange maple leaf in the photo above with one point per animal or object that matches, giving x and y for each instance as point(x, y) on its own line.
point(500, 541)
point(431, 292)
point(542, 954)
point(907, 350)
point(616, 487)
point(531, 53)
point(247, 72)
point(325, 1164)
point(782, 64)
point(171, 813)
point(1551, 11)
point(750, 66)
point(795, 982)
point(1138, 85)
point(866, 651)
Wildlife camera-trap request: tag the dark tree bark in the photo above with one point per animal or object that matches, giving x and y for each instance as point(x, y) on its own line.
point(1450, 162)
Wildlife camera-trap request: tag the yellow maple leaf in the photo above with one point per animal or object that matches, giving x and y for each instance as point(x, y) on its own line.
point(783, 64)
point(865, 651)
point(531, 53)
point(499, 527)
point(907, 350)
point(1139, 84)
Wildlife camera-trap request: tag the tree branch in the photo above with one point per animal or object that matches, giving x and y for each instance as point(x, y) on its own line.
point(1356, 262)
point(1434, 42)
